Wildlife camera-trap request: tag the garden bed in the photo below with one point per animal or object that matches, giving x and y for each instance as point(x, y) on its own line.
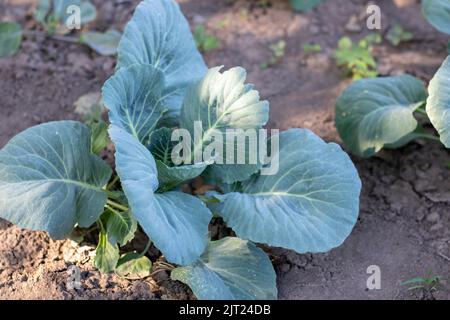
point(404, 222)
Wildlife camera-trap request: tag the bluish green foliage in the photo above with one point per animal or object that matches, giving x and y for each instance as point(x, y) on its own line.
point(159, 35)
point(230, 269)
point(134, 99)
point(224, 101)
point(104, 43)
point(133, 265)
point(372, 114)
point(310, 205)
point(106, 254)
point(176, 222)
point(438, 103)
point(170, 175)
point(50, 180)
point(437, 12)
point(10, 38)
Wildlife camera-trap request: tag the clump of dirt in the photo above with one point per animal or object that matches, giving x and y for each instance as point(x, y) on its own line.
point(33, 266)
point(404, 225)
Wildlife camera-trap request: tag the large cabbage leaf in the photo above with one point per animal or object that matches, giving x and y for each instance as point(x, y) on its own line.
point(437, 12)
point(375, 113)
point(310, 205)
point(176, 222)
point(50, 180)
point(219, 102)
point(159, 35)
point(133, 97)
point(438, 103)
point(230, 269)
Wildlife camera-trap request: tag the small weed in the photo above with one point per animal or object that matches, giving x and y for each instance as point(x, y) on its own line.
point(205, 41)
point(429, 283)
point(278, 50)
point(264, 4)
point(309, 48)
point(397, 35)
point(222, 24)
point(357, 58)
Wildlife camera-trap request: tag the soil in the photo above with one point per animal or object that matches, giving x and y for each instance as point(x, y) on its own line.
point(404, 222)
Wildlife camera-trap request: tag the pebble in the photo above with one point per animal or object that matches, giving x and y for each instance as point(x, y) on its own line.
point(433, 217)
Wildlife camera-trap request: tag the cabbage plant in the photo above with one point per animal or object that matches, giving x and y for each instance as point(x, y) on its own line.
point(53, 16)
point(50, 179)
point(437, 13)
point(372, 114)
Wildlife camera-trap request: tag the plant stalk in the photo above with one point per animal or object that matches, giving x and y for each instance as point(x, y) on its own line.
point(55, 37)
point(422, 112)
point(428, 136)
point(112, 183)
point(117, 205)
point(147, 246)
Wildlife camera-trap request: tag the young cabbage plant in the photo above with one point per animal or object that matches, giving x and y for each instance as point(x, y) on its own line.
point(58, 18)
point(54, 15)
point(50, 180)
point(372, 114)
